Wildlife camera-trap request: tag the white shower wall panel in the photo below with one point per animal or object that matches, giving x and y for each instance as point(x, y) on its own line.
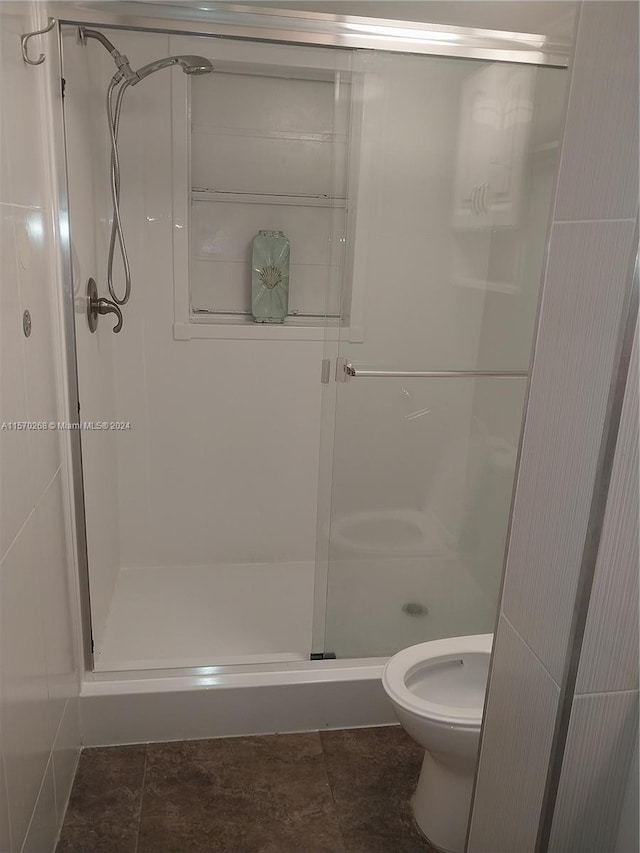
point(220, 463)
point(228, 469)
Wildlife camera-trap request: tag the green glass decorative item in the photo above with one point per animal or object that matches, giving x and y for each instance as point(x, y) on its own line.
point(270, 277)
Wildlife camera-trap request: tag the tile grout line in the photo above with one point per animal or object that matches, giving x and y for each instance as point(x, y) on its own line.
point(37, 802)
point(144, 779)
point(597, 693)
point(34, 507)
point(532, 651)
point(331, 792)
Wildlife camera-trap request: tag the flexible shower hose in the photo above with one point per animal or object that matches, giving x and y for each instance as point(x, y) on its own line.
point(117, 234)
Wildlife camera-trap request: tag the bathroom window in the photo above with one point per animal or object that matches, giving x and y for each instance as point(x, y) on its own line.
point(268, 148)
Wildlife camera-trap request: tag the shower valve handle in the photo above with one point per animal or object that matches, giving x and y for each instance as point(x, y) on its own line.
point(100, 305)
point(106, 306)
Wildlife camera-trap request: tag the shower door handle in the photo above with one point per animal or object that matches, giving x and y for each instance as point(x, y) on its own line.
point(100, 305)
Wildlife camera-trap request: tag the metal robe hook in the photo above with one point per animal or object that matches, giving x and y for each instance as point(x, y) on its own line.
point(24, 40)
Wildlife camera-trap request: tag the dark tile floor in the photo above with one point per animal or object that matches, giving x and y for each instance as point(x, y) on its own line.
point(339, 792)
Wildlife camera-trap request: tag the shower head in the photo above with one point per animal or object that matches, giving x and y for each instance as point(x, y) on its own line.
point(189, 64)
point(195, 64)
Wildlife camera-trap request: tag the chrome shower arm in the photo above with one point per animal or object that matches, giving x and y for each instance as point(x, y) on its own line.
point(121, 61)
point(85, 33)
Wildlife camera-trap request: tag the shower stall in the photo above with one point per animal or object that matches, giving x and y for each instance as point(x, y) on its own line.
point(339, 485)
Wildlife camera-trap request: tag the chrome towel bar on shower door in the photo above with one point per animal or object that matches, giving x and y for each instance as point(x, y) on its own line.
point(345, 370)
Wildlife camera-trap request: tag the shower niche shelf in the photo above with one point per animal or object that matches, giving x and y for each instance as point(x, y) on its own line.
point(267, 198)
point(262, 145)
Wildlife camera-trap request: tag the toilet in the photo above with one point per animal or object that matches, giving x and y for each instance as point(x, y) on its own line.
point(437, 690)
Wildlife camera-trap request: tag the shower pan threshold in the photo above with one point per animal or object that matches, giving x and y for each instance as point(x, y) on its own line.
point(226, 701)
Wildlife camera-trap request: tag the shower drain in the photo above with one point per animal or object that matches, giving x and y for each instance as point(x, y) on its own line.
point(414, 608)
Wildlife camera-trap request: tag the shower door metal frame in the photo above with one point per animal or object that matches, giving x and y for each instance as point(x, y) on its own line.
point(324, 30)
point(74, 472)
point(257, 24)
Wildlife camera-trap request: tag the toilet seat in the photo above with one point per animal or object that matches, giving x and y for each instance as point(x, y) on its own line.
point(428, 667)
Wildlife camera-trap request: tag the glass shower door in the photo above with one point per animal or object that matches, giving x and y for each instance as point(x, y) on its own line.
point(446, 247)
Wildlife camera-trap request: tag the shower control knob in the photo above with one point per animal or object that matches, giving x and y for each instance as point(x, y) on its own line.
point(106, 306)
point(100, 305)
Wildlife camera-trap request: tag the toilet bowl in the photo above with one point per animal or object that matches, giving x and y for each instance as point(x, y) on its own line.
point(437, 690)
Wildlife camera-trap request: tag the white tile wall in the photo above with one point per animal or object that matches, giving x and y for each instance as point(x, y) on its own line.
point(598, 752)
point(587, 277)
point(628, 834)
point(609, 659)
point(21, 101)
point(604, 716)
point(5, 831)
point(42, 827)
point(34, 253)
point(65, 755)
point(56, 595)
point(15, 447)
point(38, 665)
point(589, 187)
point(517, 737)
point(582, 303)
point(26, 731)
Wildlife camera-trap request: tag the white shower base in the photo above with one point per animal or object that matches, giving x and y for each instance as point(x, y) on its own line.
point(170, 617)
point(208, 702)
point(223, 651)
